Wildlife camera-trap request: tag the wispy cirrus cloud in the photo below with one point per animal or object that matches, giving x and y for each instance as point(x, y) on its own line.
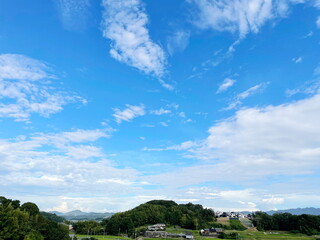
point(178, 41)
point(318, 22)
point(73, 13)
point(297, 60)
point(227, 83)
point(237, 16)
point(25, 89)
point(237, 100)
point(128, 113)
point(160, 111)
point(125, 25)
point(310, 87)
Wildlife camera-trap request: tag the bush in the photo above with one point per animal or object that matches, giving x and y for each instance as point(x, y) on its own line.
point(229, 236)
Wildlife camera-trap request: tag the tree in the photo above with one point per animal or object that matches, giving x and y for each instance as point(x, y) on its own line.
point(33, 236)
point(31, 208)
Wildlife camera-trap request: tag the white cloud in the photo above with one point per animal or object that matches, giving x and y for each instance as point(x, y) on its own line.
point(20, 67)
point(73, 13)
point(178, 41)
point(188, 120)
point(273, 200)
point(24, 89)
point(310, 34)
point(318, 22)
point(125, 24)
point(227, 83)
point(255, 143)
point(237, 100)
point(166, 85)
point(183, 146)
point(163, 124)
point(297, 60)
point(182, 114)
point(129, 113)
point(83, 152)
point(239, 16)
point(160, 111)
point(52, 159)
point(311, 87)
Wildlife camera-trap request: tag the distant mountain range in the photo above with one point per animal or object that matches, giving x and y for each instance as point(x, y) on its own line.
point(298, 211)
point(79, 215)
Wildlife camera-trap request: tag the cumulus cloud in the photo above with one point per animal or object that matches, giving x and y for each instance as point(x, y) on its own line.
point(128, 113)
point(237, 16)
point(227, 83)
point(125, 24)
point(52, 159)
point(24, 89)
point(73, 13)
point(285, 137)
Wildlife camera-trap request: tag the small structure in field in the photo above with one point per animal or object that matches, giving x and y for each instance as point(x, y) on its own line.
point(189, 235)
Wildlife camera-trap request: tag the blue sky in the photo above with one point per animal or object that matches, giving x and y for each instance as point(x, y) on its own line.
point(108, 104)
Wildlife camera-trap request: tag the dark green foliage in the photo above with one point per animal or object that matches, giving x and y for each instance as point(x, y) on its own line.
point(5, 202)
point(191, 216)
point(31, 208)
point(307, 224)
point(33, 235)
point(26, 223)
point(53, 217)
point(88, 227)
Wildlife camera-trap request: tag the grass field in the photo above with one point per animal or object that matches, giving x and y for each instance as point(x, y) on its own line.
point(276, 235)
point(246, 222)
point(107, 237)
point(182, 230)
point(243, 235)
point(223, 220)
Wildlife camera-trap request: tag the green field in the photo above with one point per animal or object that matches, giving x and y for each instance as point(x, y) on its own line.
point(247, 234)
point(110, 237)
point(272, 235)
point(276, 235)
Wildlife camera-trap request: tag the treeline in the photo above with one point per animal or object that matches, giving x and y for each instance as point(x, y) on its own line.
point(190, 216)
point(25, 222)
point(307, 224)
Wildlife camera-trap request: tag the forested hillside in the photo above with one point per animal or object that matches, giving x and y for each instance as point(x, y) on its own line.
point(307, 224)
point(191, 216)
point(25, 222)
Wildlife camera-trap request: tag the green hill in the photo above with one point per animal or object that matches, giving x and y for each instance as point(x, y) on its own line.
point(190, 216)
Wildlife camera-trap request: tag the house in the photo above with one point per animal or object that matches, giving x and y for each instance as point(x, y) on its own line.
point(155, 234)
point(189, 235)
point(213, 232)
point(157, 227)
